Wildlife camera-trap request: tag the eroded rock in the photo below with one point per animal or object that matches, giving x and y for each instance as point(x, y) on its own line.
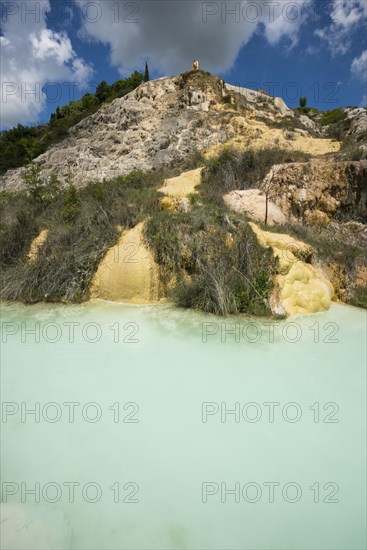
point(299, 286)
point(314, 192)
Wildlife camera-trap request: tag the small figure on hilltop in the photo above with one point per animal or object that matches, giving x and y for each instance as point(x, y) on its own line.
point(196, 65)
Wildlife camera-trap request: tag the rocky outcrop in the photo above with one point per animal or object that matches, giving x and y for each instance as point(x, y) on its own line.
point(310, 124)
point(253, 98)
point(299, 286)
point(358, 118)
point(253, 203)
point(314, 192)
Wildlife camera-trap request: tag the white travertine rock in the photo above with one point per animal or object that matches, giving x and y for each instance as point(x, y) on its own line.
point(252, 96)
point(253, 203)
point(159, 124)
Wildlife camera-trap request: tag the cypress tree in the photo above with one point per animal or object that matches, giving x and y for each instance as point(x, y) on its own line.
point(303, 102)
point(146, 74)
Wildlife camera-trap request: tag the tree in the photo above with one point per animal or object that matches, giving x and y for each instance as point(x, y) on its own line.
point(33, 181)
point(42, 190)
point(88, 103)
point(146, 74)
point(267, 191)
point(102, 91)
point(303, 102)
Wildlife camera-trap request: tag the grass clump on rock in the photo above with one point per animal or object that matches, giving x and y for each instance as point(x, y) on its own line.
point(214, 261)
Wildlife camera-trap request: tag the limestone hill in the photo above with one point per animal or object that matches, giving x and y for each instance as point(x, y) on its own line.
point(164, 121)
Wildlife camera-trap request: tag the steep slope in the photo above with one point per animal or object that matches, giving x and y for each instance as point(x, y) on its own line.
point(163, 122)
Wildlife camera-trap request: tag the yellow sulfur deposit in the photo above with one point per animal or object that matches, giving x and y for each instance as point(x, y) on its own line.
point(300, 287)
point(37, 243)
point(128, 272)
point(249, 133)
point(182, 185)
point(178, 189)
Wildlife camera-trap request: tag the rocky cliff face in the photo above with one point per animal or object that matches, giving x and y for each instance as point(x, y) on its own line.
point(159, 124)
point(315, 192)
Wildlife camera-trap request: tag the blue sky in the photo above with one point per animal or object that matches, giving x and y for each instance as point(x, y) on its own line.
point(53, 51)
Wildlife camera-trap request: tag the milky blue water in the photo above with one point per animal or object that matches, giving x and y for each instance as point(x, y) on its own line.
point(157, 428)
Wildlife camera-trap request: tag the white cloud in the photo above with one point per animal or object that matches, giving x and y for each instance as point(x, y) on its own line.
point(47, 44)
point(359, 66)
point(346, 16)
point(172, 33)
point(33, 55)
point(288, 20)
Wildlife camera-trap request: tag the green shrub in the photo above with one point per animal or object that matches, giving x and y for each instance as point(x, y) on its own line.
point(352, 150)
point(211, 276)
point(333, 117)
point(71, 206)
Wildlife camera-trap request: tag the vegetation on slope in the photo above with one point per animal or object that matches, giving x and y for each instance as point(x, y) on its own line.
point(22, 144)
point(212, 255)
point(234, 169)
point(82, 224)
point(209, 257)
point(212, 260)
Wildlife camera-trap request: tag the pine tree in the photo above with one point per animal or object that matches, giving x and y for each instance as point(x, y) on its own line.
point(146, 74)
